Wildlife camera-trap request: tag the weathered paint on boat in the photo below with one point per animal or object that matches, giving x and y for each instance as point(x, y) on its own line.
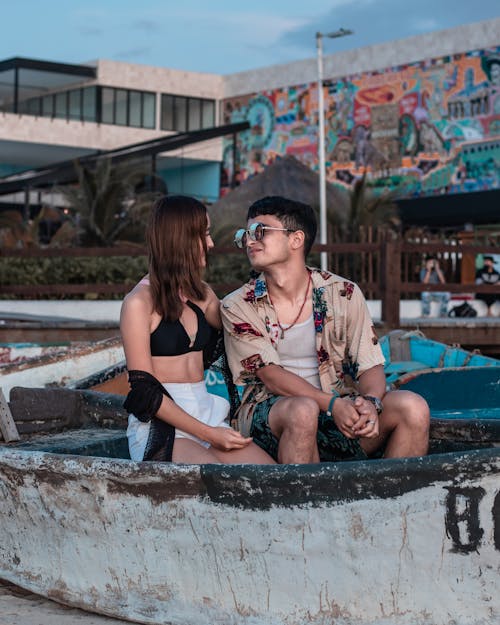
point(11, 353)
point(405, 352)
point(65, 367)
point(413, 542)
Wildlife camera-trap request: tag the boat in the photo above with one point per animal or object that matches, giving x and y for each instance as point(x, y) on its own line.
point(456, 393)
point(409, 351)
point(410, 541)
point(11, 353)
point(74, 365)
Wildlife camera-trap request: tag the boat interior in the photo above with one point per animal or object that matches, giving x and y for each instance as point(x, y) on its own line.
point(89, 423)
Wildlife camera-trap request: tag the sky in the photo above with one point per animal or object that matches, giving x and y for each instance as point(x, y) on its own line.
point(217, 36)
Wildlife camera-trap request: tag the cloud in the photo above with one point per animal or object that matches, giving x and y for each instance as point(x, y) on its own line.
point(425, 24)
point(386, 20)
point(133, 54)
point(93, 31)
point(147, 25)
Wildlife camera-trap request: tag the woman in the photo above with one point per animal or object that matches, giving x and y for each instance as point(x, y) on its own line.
point(167, 320)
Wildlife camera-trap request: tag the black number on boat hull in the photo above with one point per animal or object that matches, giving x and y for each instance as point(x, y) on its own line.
point(462, 513)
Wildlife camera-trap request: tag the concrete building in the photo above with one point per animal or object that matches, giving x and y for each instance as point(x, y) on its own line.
point(420, 116)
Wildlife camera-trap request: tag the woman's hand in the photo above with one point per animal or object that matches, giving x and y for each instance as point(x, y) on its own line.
point(226, 439)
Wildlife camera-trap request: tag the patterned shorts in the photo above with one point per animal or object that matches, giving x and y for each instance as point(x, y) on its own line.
point(333, 446)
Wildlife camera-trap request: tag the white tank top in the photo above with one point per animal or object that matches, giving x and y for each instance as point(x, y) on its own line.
point(297, 351)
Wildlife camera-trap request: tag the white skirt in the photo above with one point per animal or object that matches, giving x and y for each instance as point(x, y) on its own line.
point(195, 400)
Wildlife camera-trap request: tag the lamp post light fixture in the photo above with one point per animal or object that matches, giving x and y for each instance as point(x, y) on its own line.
point(342, 32)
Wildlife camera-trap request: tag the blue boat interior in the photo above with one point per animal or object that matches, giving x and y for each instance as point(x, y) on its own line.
point(405, 352)
point(470, 393)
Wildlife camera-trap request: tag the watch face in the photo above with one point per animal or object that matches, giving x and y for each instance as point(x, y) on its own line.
point(376, 402)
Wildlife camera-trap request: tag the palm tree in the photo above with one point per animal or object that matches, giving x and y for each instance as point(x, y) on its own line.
point(364, 208)
point(105, 203)
point(360, 216)
point(14, 231)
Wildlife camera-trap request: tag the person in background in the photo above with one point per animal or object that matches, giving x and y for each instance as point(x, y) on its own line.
point(488, 275)
point(167, 321)
point(302, 343)
point(431, 274)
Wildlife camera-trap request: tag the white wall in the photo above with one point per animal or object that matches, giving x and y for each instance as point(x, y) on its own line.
point(109, 310)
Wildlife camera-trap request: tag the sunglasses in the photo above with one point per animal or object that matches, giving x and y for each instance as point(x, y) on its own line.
point(255, 232)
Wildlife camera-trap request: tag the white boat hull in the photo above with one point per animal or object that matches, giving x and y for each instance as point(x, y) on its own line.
point(62, 368)
point(412, 542)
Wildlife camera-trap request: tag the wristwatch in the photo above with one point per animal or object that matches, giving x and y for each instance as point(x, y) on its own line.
point(376, 402)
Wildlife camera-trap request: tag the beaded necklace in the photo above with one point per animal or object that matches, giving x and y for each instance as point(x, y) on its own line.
point(283, 330)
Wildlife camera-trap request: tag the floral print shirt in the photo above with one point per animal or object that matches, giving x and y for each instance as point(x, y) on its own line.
point(346, 342)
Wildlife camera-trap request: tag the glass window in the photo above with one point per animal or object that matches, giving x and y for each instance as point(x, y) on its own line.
point(121, 107)
point(149, 110)
point(75, 104)
point(61, 105)
point(208, 114)
point(7, 90)
point(48, 105)
point(194, 109)
point(107, 111)
point(167, 112)
point(180, 114)
point(135, 112)
point(30, 106)
point(89, 104)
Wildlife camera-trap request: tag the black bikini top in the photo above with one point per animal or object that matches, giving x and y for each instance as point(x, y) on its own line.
point(171, 339)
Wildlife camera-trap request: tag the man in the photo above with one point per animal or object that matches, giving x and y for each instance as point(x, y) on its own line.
point(431, 274)
point(303, 344)
point(488, 275)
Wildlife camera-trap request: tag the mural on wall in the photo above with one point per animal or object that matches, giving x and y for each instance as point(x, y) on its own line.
point(425, 128)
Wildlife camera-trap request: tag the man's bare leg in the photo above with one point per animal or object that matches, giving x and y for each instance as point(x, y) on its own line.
point(404, 423)
point(294, 421)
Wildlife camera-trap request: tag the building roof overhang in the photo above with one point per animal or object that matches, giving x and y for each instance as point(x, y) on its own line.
point(18, 62)
point(65, 172)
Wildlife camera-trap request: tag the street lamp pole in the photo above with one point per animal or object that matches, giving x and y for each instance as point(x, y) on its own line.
point(342, 32)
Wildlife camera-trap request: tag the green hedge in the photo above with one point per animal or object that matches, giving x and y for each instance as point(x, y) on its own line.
point(94, 270)
point(222, 270)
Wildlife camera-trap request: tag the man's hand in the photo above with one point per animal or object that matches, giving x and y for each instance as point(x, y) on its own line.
point(367, 425)
point(346, 417)
point(226, 439)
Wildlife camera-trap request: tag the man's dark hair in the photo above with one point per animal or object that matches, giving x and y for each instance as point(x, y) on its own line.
point(292, 214)
point(489, 258)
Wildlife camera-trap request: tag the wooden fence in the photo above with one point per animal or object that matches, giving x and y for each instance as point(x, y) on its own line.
point(385, 269)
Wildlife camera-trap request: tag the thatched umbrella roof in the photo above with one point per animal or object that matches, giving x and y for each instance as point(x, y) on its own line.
point(287, 177)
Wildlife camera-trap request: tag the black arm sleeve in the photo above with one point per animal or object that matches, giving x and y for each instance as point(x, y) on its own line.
point(144, 401)
point(145, 395)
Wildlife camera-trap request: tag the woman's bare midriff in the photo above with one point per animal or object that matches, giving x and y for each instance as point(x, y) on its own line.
point(185, 368)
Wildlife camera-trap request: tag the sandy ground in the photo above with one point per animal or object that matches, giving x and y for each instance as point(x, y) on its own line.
point(21, 607)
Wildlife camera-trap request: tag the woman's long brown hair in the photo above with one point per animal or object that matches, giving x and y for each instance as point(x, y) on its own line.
point(176, 240)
